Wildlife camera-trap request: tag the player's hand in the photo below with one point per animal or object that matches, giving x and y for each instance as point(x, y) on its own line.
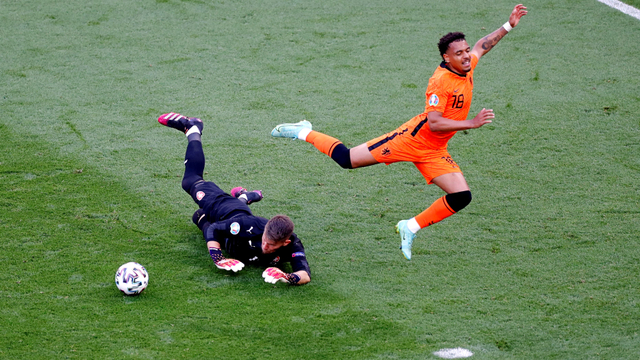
point(518, 12)
point(272, 275)
point(229, 265)
point(483, 117)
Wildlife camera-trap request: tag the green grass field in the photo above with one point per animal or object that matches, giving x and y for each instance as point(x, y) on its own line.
point(634, 3)
point(543, 264)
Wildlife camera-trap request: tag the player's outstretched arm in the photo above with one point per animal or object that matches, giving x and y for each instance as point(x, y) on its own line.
point(487, 43)
point(439, 123)
point(272, 275)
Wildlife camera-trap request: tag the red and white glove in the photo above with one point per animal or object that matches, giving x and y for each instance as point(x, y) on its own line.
point(272, 275)
point(229, 265)
point(223, 263)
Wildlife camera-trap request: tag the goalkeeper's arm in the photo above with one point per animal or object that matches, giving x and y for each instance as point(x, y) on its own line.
point(215, 252)
point(304, 277)
point(273, 275)
point(221, 262)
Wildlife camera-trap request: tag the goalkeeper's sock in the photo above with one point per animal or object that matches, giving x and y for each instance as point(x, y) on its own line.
point(330, 146)
point(194, 134)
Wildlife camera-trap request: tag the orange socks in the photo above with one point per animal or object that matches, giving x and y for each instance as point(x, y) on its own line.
point(322, 142)
point(438, 211)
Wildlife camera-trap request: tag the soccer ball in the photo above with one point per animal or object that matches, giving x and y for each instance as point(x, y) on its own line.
point(132, 278)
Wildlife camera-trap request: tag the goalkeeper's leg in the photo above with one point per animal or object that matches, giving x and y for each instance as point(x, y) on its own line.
point(193, 165)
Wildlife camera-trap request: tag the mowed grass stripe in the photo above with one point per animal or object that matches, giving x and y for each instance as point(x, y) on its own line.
point(542, 264)
point(67, 226)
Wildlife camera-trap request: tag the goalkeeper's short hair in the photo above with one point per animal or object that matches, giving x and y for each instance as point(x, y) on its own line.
point(279, 228)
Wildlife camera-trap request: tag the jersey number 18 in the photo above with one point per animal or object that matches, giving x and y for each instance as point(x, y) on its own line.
point(458, 101)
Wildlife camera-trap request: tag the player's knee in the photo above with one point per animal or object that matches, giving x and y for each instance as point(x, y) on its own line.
point(186, 185)
point(458, 201)
point(189, 182)
point(199, 218)
point(342, 156)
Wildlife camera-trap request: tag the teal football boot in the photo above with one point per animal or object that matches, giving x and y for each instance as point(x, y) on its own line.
point(290, 130)
point(406, 237)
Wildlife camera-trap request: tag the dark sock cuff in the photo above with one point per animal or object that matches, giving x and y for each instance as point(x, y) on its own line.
point(194, 137)
point(458, 201)
point(342, 156)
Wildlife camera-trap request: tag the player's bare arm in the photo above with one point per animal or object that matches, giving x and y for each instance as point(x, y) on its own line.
point(487, 43)
point(439, 123)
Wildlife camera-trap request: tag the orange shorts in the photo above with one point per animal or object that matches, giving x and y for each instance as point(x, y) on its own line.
point(402, 145)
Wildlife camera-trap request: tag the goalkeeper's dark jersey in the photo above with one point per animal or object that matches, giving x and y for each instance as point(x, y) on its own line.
point(231, 223)
point(241, 237)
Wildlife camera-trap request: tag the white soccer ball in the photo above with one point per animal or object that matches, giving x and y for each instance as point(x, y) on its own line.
point(132, 278)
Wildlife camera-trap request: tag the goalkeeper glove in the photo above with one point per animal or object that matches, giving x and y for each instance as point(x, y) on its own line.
point(272, 275)
point(223, 263)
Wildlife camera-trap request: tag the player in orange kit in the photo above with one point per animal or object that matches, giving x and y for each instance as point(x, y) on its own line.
point(423, 139)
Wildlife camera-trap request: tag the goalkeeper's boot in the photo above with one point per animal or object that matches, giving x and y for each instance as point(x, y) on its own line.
point(406, 237)
point(179, 122)
point(290, 130)
point(247, 196)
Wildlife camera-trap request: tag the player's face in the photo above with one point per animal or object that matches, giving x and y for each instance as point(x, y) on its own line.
point(458, 57)
point(269, 246)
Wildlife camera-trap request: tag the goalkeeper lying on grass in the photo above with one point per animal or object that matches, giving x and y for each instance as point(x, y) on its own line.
point(227, 222)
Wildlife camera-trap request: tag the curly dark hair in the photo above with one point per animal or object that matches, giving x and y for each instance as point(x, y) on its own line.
point(443, 45)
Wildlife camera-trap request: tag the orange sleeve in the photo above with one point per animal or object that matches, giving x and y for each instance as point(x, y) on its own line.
point(437, 95)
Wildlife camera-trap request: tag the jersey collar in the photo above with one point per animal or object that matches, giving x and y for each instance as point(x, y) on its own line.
point(444, 66)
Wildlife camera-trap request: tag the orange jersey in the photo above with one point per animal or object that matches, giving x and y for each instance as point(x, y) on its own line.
point(450, 94)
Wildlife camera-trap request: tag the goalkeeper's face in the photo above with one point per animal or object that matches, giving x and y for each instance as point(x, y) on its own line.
point(270, 246)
